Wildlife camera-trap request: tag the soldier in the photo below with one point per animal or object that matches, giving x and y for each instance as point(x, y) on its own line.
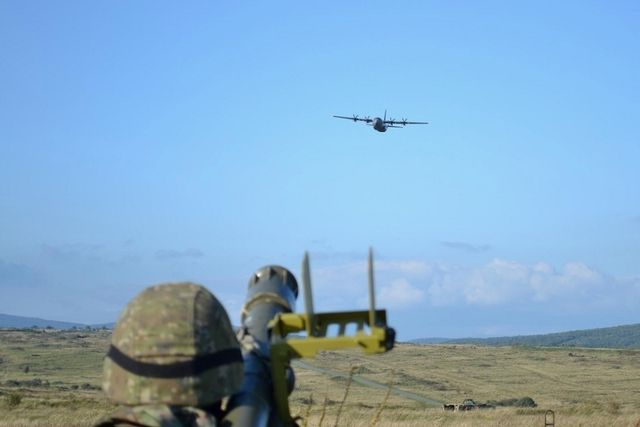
point(173, 358)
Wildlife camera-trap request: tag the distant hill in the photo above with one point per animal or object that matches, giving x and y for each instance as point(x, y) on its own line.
point(109, 325)
point(625, 336)
point(10, 321)
point(431, 340)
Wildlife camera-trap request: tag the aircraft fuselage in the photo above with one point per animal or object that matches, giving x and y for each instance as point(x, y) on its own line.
point(378, 124)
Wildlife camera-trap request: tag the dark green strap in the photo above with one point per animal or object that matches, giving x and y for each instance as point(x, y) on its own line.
point(188, 368)
point(117, 422)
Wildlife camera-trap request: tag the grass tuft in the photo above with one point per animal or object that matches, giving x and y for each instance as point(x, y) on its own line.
point(13, 399)
point(376, 417)
point(352, 371)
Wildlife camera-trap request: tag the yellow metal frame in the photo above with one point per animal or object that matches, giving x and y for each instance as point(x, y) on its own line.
point(371, 341)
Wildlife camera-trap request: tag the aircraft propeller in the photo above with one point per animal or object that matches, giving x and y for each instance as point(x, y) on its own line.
point(355, 117)
point(404, 122)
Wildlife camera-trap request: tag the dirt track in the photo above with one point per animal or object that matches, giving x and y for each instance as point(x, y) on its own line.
point(369, 383)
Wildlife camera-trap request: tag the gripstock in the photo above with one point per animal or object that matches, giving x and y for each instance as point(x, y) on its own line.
point(268, 319)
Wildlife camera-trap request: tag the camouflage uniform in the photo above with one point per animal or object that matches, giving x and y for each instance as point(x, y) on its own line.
point(173, 358)
point(160, 416)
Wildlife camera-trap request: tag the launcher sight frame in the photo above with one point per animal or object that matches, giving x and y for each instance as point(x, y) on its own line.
point(372, 336)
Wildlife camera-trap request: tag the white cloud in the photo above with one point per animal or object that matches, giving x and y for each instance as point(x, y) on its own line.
point(338, 287)
point(405, 267)
point(498, 282)
point(575, 280)
point(502, 281)
point(400, 293)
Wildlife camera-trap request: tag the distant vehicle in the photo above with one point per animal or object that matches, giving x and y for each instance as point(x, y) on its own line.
point(381, 125)
point(467, 405)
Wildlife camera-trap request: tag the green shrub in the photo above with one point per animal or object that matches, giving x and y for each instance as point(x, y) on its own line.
point(13, 399)
point(523, 402)
point(614, 408)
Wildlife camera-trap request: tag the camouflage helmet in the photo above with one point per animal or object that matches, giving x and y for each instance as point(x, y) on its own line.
point(173, 344)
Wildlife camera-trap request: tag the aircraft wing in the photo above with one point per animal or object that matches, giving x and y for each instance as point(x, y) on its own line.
point(414, 123)
point(403, 122)
point(355, 118)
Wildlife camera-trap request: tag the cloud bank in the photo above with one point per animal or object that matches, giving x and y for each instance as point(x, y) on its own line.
point(500, 282)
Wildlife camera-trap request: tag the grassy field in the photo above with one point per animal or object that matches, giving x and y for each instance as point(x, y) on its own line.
point(52, 378)
point(585, 387)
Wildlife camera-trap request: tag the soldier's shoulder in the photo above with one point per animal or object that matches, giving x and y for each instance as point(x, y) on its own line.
point(159, 416)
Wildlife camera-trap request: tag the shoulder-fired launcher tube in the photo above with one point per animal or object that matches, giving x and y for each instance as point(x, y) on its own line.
point(272, 290)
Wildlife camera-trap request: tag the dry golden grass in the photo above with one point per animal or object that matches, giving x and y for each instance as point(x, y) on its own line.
point(588, 387)
point(584, 387)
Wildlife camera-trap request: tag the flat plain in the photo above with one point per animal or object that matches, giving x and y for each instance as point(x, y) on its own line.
point(53, 378)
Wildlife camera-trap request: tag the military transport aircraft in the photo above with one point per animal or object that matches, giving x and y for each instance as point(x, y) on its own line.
point(381, 125)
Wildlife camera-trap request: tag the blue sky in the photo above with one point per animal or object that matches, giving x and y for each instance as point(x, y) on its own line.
point(155, 141)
